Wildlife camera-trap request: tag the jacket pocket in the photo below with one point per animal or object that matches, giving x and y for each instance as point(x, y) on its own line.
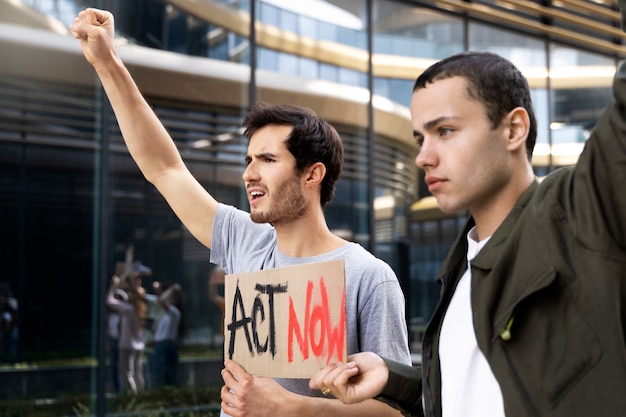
point(551, 345)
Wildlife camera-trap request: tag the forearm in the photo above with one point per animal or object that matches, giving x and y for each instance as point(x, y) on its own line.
point(147, 140)
point(155, 152)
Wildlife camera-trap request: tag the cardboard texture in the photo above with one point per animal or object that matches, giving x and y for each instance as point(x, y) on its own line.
point(286, 322)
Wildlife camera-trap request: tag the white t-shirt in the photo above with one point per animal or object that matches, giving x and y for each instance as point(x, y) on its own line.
point(468, 386)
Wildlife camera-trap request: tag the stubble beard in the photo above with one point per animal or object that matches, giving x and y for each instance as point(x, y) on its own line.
point(288, 205)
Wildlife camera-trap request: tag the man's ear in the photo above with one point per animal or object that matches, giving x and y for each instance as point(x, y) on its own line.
point(519, 127)
point(315, 174)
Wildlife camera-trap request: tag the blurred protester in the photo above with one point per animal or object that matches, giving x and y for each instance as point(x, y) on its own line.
point(132, 312)
point(154, 313)
point(168, 333)
point(113, 334)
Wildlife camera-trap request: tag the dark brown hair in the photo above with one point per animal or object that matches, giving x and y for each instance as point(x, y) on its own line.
point(492, 80)
point(311, 140)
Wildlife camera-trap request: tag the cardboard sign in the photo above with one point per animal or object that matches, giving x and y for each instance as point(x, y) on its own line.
point(286, 322)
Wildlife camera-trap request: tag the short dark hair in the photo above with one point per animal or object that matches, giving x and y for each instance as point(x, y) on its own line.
point(311, 140)
point(492, 80)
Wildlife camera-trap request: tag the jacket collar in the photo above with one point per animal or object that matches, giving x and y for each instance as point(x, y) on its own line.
point(487, 258)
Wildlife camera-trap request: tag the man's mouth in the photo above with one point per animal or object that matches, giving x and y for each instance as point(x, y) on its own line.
point(433, 182)
point(255, 195)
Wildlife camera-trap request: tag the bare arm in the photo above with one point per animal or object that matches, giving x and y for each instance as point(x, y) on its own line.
point(164, 298)
point(115, 283)
point(147, 140)
point(111, 301)
point(245, 395)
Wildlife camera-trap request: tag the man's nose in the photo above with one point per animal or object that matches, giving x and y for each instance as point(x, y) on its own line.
point(425, 156)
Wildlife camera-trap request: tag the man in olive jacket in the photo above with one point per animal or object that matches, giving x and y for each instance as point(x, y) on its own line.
point(532, 316)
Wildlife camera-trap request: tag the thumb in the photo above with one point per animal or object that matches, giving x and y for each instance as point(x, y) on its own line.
point(235, 369)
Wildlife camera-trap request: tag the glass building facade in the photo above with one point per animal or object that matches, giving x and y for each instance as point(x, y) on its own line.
point(72, 201)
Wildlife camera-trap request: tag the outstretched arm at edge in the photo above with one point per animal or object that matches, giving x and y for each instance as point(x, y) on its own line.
point(368, 375)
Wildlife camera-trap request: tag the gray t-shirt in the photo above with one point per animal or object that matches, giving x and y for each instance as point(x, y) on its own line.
point(375, 318)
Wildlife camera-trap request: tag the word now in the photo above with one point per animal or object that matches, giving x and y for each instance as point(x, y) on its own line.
point(315, 334)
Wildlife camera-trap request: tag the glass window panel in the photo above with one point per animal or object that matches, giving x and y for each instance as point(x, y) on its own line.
point(523, 51)
point(309, 68)
point(328, 32)
point(351, 37)
point(267, 59)
point(307, 26)
point(288, 64)
point(288, 21)
point(382, 87)
point(402, 29)
point(329, 72)
point(581, 89)
point(350, 77)
point(269, 14)
point(401, 91)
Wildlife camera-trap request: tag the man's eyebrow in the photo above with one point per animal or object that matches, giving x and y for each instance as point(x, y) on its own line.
point(262, 155)
point(431, 124)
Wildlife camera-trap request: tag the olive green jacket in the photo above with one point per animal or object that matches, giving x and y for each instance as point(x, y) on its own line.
point(548, 291)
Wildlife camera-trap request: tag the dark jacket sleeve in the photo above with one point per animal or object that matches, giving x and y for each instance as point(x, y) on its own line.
point(598, 200)
point(404, 388)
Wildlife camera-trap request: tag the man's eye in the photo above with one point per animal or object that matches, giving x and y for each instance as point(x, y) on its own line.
point(419, 141)
point(444, 131)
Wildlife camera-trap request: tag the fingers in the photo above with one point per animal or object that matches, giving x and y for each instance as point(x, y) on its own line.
point(317, 380)
point(89, 19)
point(236, 370)
point(228, 378)
point(95, 17)
point(338, 380)
point(96, 32)
point(228, 392)
point(335, 380)
point(228, 395)
point(234, 376)
point(230, 403)
point(99, 17)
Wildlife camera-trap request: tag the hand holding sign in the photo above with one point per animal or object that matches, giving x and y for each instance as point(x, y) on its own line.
point(286, 322)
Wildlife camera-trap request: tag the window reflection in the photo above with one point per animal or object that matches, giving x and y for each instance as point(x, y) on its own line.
point(581, 89)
